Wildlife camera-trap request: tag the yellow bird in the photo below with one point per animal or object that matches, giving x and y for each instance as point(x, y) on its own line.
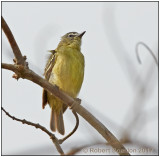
point(64, 68)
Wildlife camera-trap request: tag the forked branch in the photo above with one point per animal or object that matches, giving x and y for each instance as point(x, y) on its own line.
point(38, 126)
point(28, 74)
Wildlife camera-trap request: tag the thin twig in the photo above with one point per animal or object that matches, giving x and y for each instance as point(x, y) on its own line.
point(38, 126)
point(149, 50)
point(26, 73)
point(73, 131)
point(140, 96)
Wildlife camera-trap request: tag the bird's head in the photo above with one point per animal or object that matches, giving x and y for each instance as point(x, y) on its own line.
point(72, 40)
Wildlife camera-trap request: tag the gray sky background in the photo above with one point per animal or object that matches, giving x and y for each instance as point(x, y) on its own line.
point(110, 86)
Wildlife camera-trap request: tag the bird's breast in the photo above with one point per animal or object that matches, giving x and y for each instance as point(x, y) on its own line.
point(68, 72)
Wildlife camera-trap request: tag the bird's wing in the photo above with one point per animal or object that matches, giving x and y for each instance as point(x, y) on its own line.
point(50, 64)
point(47, 72)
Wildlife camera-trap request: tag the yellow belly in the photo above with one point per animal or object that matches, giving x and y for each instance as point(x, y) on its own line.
point(67, 74)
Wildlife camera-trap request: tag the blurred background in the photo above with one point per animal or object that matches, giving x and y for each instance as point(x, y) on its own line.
point(117, 90)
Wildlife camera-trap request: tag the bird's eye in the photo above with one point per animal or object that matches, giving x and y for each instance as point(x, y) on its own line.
point(70, 35)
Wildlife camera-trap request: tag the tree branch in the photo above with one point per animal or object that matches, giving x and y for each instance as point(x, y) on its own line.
point(149, 50)
point(73, 131)
point(38, 126)
point(28, 74)
point(17, 53)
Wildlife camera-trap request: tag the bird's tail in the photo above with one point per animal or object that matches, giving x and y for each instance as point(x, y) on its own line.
point(56, 122)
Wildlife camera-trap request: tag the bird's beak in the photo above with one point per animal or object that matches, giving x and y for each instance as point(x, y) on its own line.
point(51, 51)
point(81, 34)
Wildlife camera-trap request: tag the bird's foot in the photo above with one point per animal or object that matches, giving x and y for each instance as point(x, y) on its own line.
point(76, 101)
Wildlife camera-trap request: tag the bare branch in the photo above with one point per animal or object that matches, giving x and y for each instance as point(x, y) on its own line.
point(138, 103)
point(25, 73)
point(38, 126)
point(149, 50)
point(75, 104)
point(73, 131)
point(17, 53)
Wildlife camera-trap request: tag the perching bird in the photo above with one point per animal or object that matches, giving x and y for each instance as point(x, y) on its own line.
point(64, 68)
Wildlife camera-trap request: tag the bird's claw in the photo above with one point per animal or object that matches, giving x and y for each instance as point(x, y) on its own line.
point(76, 101)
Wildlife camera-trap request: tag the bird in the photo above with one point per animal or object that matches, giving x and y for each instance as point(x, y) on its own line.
point(65, 69)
